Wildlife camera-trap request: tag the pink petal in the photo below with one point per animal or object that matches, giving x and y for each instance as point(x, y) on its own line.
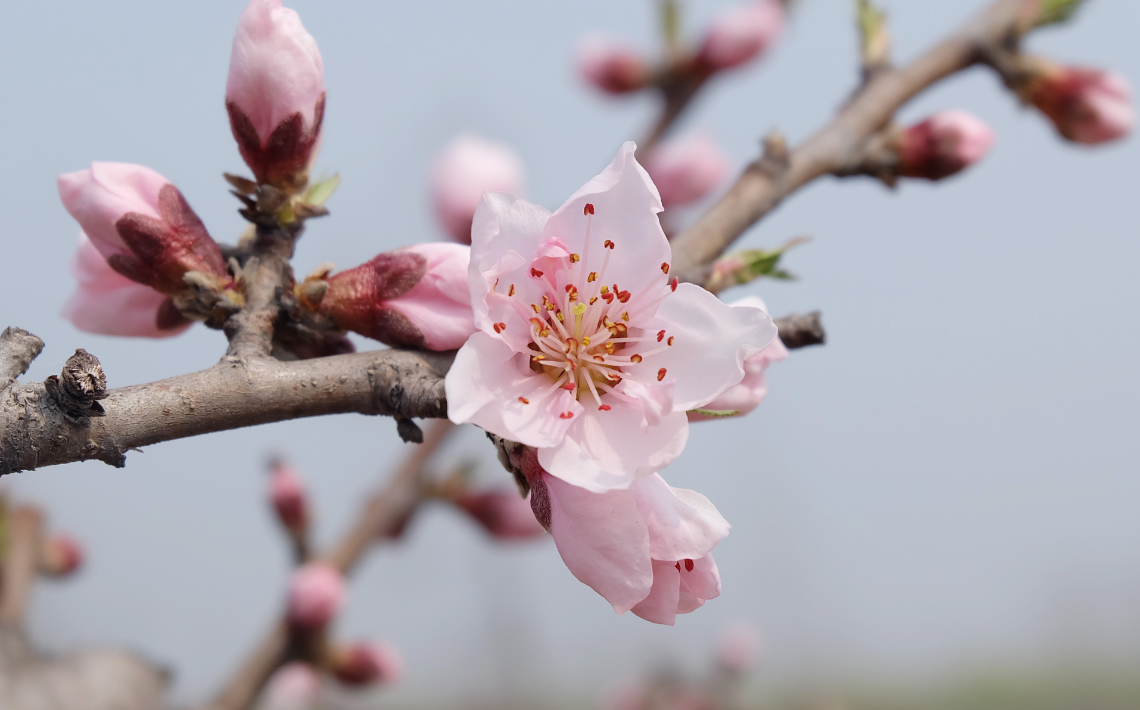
point(740, 33)
point(484, 386)
point(687, 169)
point(468, 167)
point(603, 541)
point(440, 304)
point(682, 523)
point(699, 584)
point(99, 196)
point(660, 606)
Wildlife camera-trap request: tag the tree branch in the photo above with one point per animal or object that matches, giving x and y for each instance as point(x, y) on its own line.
point(266, 276)
point(17, 350)
point(24, 530)
point(766, 182)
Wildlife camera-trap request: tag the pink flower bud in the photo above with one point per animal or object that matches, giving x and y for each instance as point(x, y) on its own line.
point(611, 67)
point(1086, 105)
point(414, 297)
point(739, 648)
point(316, 594)
point(295, 686)
point(741, 33)
point(942, 145)
point(368, 663)
point(287, 493)
point(62, 555)
point(108, 303)
point(275, 92)
point(468, 167)
point(141, 225)
point(505, 514)
point(687, 169)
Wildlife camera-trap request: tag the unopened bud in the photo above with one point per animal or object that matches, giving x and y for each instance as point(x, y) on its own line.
point(289, 498)
point(687, 169)
point(413, 297)
point(275, 93)
point(61, 555)
point(611, 67)
point(504, 514)
point(942, 145)
point(464, 170)
point(741, 33)
point(316, 594)
point(368, 664)
point(739, 648)
point(1086, 105)
point(295, 686)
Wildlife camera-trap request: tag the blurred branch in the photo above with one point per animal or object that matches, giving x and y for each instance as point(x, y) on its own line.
point(24, 530)
point(776, 175)
point(386, 513)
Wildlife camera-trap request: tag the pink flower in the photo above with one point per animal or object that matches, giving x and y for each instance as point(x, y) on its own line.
point(295, 686)
point(1086, 105)
point(368, 663)
point(316, 594)
point(413, 297)
point(468, 167)
point(585, 349)
point(504, 514)
point(751, 391)
point(275, 92)
point(62, 555)
point(107, 303)
point(942, 145)
point(645, 549)
point(141, 225)
point(611, 67)
point(741, 33)
point(739, 648)
point(687, 169)
point(288, 496)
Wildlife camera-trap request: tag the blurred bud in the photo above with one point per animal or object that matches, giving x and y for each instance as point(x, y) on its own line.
point(505, 514)
point(316, 594)
point(739, 648)
point(295, 686)
point(1086, 105)
point(741, 33)
point(275, 93)
point(142, 226)
point(289, 498)
point(610, 66)
point(368, 664)
point(687, 169)
point(464, 170)
point(745, 396)
point(111, 304)
point(942, 145)
point(60, 556)
point(414, 297)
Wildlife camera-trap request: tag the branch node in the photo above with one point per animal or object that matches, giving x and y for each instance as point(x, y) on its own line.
point(801, 330)
point(409, 431)
point(79, 387)
point(776, 158)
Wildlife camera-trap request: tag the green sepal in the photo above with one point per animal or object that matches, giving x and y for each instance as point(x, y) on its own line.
point(716, 412)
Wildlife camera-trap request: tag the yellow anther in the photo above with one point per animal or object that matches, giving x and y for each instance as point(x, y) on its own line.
point(592, 277)
point(625, 316)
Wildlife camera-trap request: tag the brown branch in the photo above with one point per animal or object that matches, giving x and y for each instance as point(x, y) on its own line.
point(801, 330)
point(17, 350)
point(386, 512)
point(266, 276)
point(766, 182)
point(25, 529)
point(678, 90)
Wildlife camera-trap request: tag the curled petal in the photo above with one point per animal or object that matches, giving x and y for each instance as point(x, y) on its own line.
point(682, 523)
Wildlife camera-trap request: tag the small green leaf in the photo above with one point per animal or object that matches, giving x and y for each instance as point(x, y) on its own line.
point(1056, 11)
point(716, 412)
point(322, 190)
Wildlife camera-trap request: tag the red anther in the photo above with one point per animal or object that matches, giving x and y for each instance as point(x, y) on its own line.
point(535, 273)
point(569, 386)
point(608, 244)
point(511, 292)
point(588, 209)
point(496, 286)
point(660, 335)
point(661, 374)
point(635, 358)
point(688, 565)
point(678, 566)
point(604, 408)
point(524, 400)
point(673, 285)
point(665, 267)
point(566, 415)
point(669, 341)
point(500, 327)
point(569, 288)
point(623, 296)
point(608, 297)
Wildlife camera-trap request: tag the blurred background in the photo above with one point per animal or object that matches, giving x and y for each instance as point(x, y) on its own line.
point(941, 503)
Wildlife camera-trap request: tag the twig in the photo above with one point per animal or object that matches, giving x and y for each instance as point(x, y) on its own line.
point(17, 350)
point(25, 526)
point(266, 276)
point(801, 330)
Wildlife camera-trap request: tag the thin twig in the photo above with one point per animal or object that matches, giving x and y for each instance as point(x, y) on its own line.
point(25, 526)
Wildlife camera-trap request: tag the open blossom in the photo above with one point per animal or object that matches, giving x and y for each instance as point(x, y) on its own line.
point(295, 686)
point(275, 92)
point(504, 514)
point(741, 33)
point(587, 349)
point(368, 663)
point(611, 67)
point(316, 594)
point(751, 391)
point(687, 169)
point(468, 167)
point(288, 496)
point(942, 145)
point(1087, 105)
point(413, 297)
point(111, 304)
point(645, 549)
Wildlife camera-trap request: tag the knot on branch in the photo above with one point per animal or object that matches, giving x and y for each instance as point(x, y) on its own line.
point(800, 330)
point(79, 387)
point(776, 159)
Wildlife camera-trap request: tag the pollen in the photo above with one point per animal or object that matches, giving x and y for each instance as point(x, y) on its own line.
point(524, 400)
point(661, 374)
point(604, 289)
point(586, 341)
point(559, 314)
point(625, 316)
point(535, 307)
point(592, 277)
point(592, 300)
point(536, 358)
point(574, 258)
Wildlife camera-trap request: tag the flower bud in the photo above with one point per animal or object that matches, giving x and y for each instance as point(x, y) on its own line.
point(275, 93)
point(316, 594)
point(288, 496)
point(942, 145)
point(367, 664)
point(108, 303)
point(504, 514)
point(611, 67)
point(687, 169)
point(61, 555)
point(415, 297)
point(1086, 105)
point(141, 225)
point(468, 167)
point(295, 686)
point(741, 33)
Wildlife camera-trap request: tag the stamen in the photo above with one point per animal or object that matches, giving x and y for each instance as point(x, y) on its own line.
point(608, 244)
point(524, 400)
point(660, 335)
point(588, 209)
point(511, 292)
point(661, 374)
point(574, 258)
point(635, 358)
point(665, 267)
point(535, 307)
point(670, 340)
point(500, 327)
point(673, 285)
point(535, 273)
point(604, 408)
point(592, 277)
point(566, 415)
point(688, 565)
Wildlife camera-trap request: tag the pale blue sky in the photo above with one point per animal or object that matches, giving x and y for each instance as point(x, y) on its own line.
point(951, 481)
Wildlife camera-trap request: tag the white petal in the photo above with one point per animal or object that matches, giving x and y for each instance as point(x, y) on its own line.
point(505, 233)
